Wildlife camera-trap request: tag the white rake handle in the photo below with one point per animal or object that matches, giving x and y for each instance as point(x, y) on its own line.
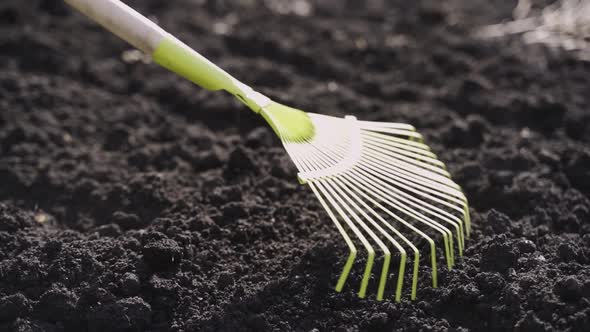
point(123, 21)
point(165, 49)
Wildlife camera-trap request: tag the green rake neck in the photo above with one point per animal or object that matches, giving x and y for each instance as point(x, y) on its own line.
point(288, 123)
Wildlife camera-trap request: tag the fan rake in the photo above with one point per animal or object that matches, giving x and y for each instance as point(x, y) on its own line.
point(384, 184)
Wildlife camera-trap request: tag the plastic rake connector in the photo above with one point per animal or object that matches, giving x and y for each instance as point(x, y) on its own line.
point(379, 183)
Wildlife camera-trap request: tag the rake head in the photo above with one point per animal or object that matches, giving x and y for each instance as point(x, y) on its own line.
point(380, 185)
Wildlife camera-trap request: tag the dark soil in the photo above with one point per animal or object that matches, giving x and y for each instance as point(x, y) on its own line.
point(131, 200)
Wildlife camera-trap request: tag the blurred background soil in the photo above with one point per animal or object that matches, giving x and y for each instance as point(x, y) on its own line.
point(131, 200)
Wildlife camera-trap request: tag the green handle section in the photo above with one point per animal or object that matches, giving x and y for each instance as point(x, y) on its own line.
point(181, 59)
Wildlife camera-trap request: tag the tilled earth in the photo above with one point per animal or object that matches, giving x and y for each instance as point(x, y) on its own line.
point(131, 200)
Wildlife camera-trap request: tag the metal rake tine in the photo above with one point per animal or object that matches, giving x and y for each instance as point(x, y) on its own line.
point(447, 235)
point(427, 189)
point(418, 189)
point(349, 165)
point(351, 247)
point(402, 266)
point(415, 188)
point(451, 193)
point(399, 143)
point(327, 191)
point(418, 163)
point(402, 251)
point(394, 230)
point(365, 123)
point(391, 125)
point(366, 244)
point(424, 156)
point(375, 183)
point(407, 132)
point(401, 171)
point(410, 171)
point(428, 176)
point(327, 184)
point(301, 153)
point(428, 208)
point(424, 181)
point(449, 247)
point(403, 141)
point(417, 171)
point(368, 190)
point(408, 162)
point(382, 246)
point(407, 177)
point(302, 164)
point(378, 152)
point(403, 254)
point(306, 165)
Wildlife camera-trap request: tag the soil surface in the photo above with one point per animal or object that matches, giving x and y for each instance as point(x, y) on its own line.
point(132, 200)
